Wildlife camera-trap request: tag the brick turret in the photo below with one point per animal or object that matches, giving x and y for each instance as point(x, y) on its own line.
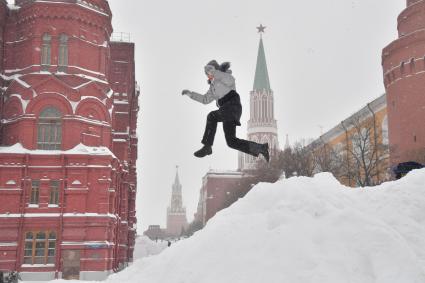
point(403, 63)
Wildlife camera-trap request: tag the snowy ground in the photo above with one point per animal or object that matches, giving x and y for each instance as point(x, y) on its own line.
point(303, 230)
point(145, 247)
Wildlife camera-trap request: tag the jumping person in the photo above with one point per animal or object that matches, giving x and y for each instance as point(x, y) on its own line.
point(223, 90)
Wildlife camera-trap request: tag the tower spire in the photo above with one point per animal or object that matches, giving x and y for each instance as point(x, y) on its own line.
point(176, 213)
point(177, 179)
point(262, 126)
point(261, 80)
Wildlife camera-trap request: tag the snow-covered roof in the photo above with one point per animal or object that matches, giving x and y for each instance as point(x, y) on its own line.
point(228, 172)
point(78, 149)
point(223, 174)
point(81, 3)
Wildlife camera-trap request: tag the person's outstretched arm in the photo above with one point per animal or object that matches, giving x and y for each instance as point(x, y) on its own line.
point(202, 98)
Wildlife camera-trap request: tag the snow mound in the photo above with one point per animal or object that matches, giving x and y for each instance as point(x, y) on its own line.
point(303, 230)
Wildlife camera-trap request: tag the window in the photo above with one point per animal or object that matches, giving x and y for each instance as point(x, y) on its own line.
point(63, 53)
point(54, 192)
point(46, 52)
point(385, 131)
point(35, 192)
point(412, 65)
point(402, 68)
point(40, 247)
point(49, 129)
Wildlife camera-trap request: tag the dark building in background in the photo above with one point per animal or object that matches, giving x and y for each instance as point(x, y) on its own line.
point(154, 232)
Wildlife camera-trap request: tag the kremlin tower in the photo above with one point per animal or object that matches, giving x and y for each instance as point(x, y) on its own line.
point(403, 63)
point(176, 213)
point(262, 126)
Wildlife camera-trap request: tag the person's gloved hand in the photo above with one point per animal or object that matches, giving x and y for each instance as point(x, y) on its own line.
point(186, 92)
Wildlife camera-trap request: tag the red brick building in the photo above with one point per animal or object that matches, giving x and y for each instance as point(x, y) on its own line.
point(403, 64)
point(69, 105)
point(219, 190)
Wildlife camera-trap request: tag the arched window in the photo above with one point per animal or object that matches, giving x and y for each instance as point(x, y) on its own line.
point(46, 52)
point(49, 129)
point(63, 53)
point(272, 108)
point(252, 103)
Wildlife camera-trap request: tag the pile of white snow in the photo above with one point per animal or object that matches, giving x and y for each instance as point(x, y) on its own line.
point(145, 247)
point(303, 230)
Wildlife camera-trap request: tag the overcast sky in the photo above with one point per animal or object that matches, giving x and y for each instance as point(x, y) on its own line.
point(324, 62)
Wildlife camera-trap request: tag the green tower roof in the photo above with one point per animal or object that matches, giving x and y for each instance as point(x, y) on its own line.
point(261, 80)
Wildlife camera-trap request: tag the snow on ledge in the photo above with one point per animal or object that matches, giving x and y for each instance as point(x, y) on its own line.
point(76, 182)
point(78, 149)
point(38, 265)
point(13, 7)
point(10, 244)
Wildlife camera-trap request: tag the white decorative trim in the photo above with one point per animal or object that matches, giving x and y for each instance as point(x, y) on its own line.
point(38, 265)
point(255, 130)
point(37, 276)
point(12, 244)
point(88, 243)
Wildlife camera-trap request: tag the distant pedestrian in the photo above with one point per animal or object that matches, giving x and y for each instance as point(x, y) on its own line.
point(169, 243)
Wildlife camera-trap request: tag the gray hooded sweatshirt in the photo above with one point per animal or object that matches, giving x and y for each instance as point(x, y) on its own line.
point(222, 84)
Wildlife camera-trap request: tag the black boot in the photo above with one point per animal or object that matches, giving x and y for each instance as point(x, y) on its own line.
point(206, 150)
point(265, 151)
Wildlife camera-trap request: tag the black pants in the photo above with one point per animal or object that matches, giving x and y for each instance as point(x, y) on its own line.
point(229, 113)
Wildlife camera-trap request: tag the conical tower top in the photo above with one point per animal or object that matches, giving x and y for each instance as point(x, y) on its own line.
point(261, 80)
point(177, 179)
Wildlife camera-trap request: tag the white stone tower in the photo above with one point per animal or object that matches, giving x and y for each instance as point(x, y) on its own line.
point(262, 126)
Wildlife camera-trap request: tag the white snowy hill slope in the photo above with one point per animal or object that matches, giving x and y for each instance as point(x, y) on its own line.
point(303, 230)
